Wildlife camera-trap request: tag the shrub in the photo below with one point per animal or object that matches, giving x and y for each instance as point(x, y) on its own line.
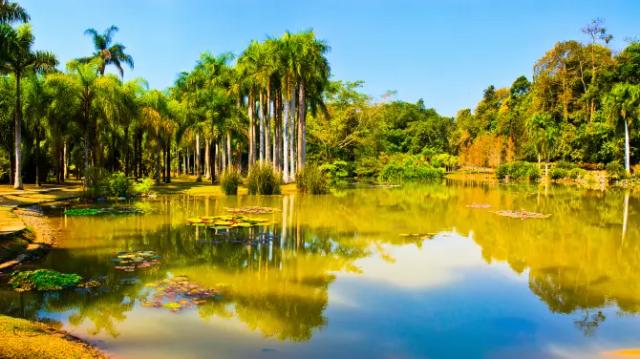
point(566, 165)
point(615, 170)
point(97, 182)
point(410, 169)
point(311, 180)
point(119, 185)
point(143, 187)
point(577, 173)
point(263, 179)
point(518, 170)
point(230, 179)
point(368, 167)
point(336, 173)
point(445, 160)
point(558, 173)
point(43, 279)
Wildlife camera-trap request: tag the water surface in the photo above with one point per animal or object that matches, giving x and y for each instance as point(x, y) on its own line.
point(338, 277)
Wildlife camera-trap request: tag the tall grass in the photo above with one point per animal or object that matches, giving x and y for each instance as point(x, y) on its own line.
point(311, 180)
point(263, 179)
point(230, 179)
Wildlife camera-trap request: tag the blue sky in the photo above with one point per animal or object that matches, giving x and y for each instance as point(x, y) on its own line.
point(445, 52)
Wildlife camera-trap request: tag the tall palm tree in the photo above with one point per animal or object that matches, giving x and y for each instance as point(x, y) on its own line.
point(108, 52)
point(21, 60)
point(623, 104)
point(12, 12)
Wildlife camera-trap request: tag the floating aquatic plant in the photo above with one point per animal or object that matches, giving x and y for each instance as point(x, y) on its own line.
point(227, 221)
point(251, 210)
point(103, 211)
point(42, 280)
point(176, 293)
point(521, 214)
point(130, 261)
point(478, 205)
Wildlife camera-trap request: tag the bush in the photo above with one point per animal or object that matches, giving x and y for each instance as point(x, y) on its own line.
point(263, 179)
point(615, 170)
point(336, 173)
point(143, 187)
point(577, 173)
point(43, 279)
point(410, 169)
point(566, 165)
point(445, 160)
point(518, 170)
point(119, 185)
point(230, 179)
point(97, 182)
point(558, 173)
point(312, 180)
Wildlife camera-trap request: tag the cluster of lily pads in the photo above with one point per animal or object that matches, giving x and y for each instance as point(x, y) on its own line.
point(103, 211)
point(130, 261)
point(521, 214)
point(46, 280)
point(177, 293)
point(251, 210)
point(226, 221)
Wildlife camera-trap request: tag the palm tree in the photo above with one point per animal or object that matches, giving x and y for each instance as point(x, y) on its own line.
point(108, 52)
point(21, 60)
point(11, 12)
point(623, 104)
point(544, 132)
point(36, 107)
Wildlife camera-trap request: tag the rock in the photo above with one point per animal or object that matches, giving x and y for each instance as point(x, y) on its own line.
point(8, 264)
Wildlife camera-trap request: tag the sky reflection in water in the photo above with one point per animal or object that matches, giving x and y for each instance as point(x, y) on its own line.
point(338, 279)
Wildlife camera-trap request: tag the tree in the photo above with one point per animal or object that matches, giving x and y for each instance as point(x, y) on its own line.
point(107, 52)
point(21, 60)
point(12, 12)
point(544, 132)
point(623, 105)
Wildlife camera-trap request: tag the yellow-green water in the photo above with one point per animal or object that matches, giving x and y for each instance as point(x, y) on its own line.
point(338, 278)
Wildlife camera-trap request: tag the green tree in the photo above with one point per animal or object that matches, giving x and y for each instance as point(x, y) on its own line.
point(107, 52)
point(21, 60)
point(623, 104)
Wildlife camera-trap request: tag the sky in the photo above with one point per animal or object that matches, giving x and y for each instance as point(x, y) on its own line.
point(445, 52)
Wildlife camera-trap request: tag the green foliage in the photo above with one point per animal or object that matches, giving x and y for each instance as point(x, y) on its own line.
point(144, 186)
point(518, 170)
point(119, 185)
point(408, 169)
point(263, 179)
point(615, 170)
point(577, 173)
point(444, 160)
point(230, 179)
point(97, 182)
point(336, 173)
point(311, 179)
point(558, 173)
point(103, 211)
point(43, 279)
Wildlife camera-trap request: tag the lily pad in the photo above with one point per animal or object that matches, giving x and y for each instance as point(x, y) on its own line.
point(130, 261)
point(43, 280)
point(521, 214)
point(252, 210)
point(176, 294)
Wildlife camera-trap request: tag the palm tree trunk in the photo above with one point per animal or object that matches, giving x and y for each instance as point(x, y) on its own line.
point(302, 128)
point(292, 136)
point(207, 162)
point(17, 184)
point(64, 162)
point(267, 126)
point(126, 150)
point(37, 155)
point(251, 113)
point(261, 127)
point(197, 159)
point(627, 152)
point(285, 138)
point(229, 153)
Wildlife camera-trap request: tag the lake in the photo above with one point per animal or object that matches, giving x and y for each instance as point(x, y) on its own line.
point(409, 272)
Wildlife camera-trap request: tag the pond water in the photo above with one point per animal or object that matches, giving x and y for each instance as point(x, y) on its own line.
point(337, 276)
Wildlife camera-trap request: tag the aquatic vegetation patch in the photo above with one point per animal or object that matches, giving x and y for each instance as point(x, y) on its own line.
point(103, 211)
point(227, 221)
point(521, 214)
point(177, 293)
point(478, 205)
point(252, 210)
point(131, 261)
point(42, 280)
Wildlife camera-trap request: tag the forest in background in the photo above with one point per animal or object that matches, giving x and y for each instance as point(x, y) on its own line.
point(277, 103)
